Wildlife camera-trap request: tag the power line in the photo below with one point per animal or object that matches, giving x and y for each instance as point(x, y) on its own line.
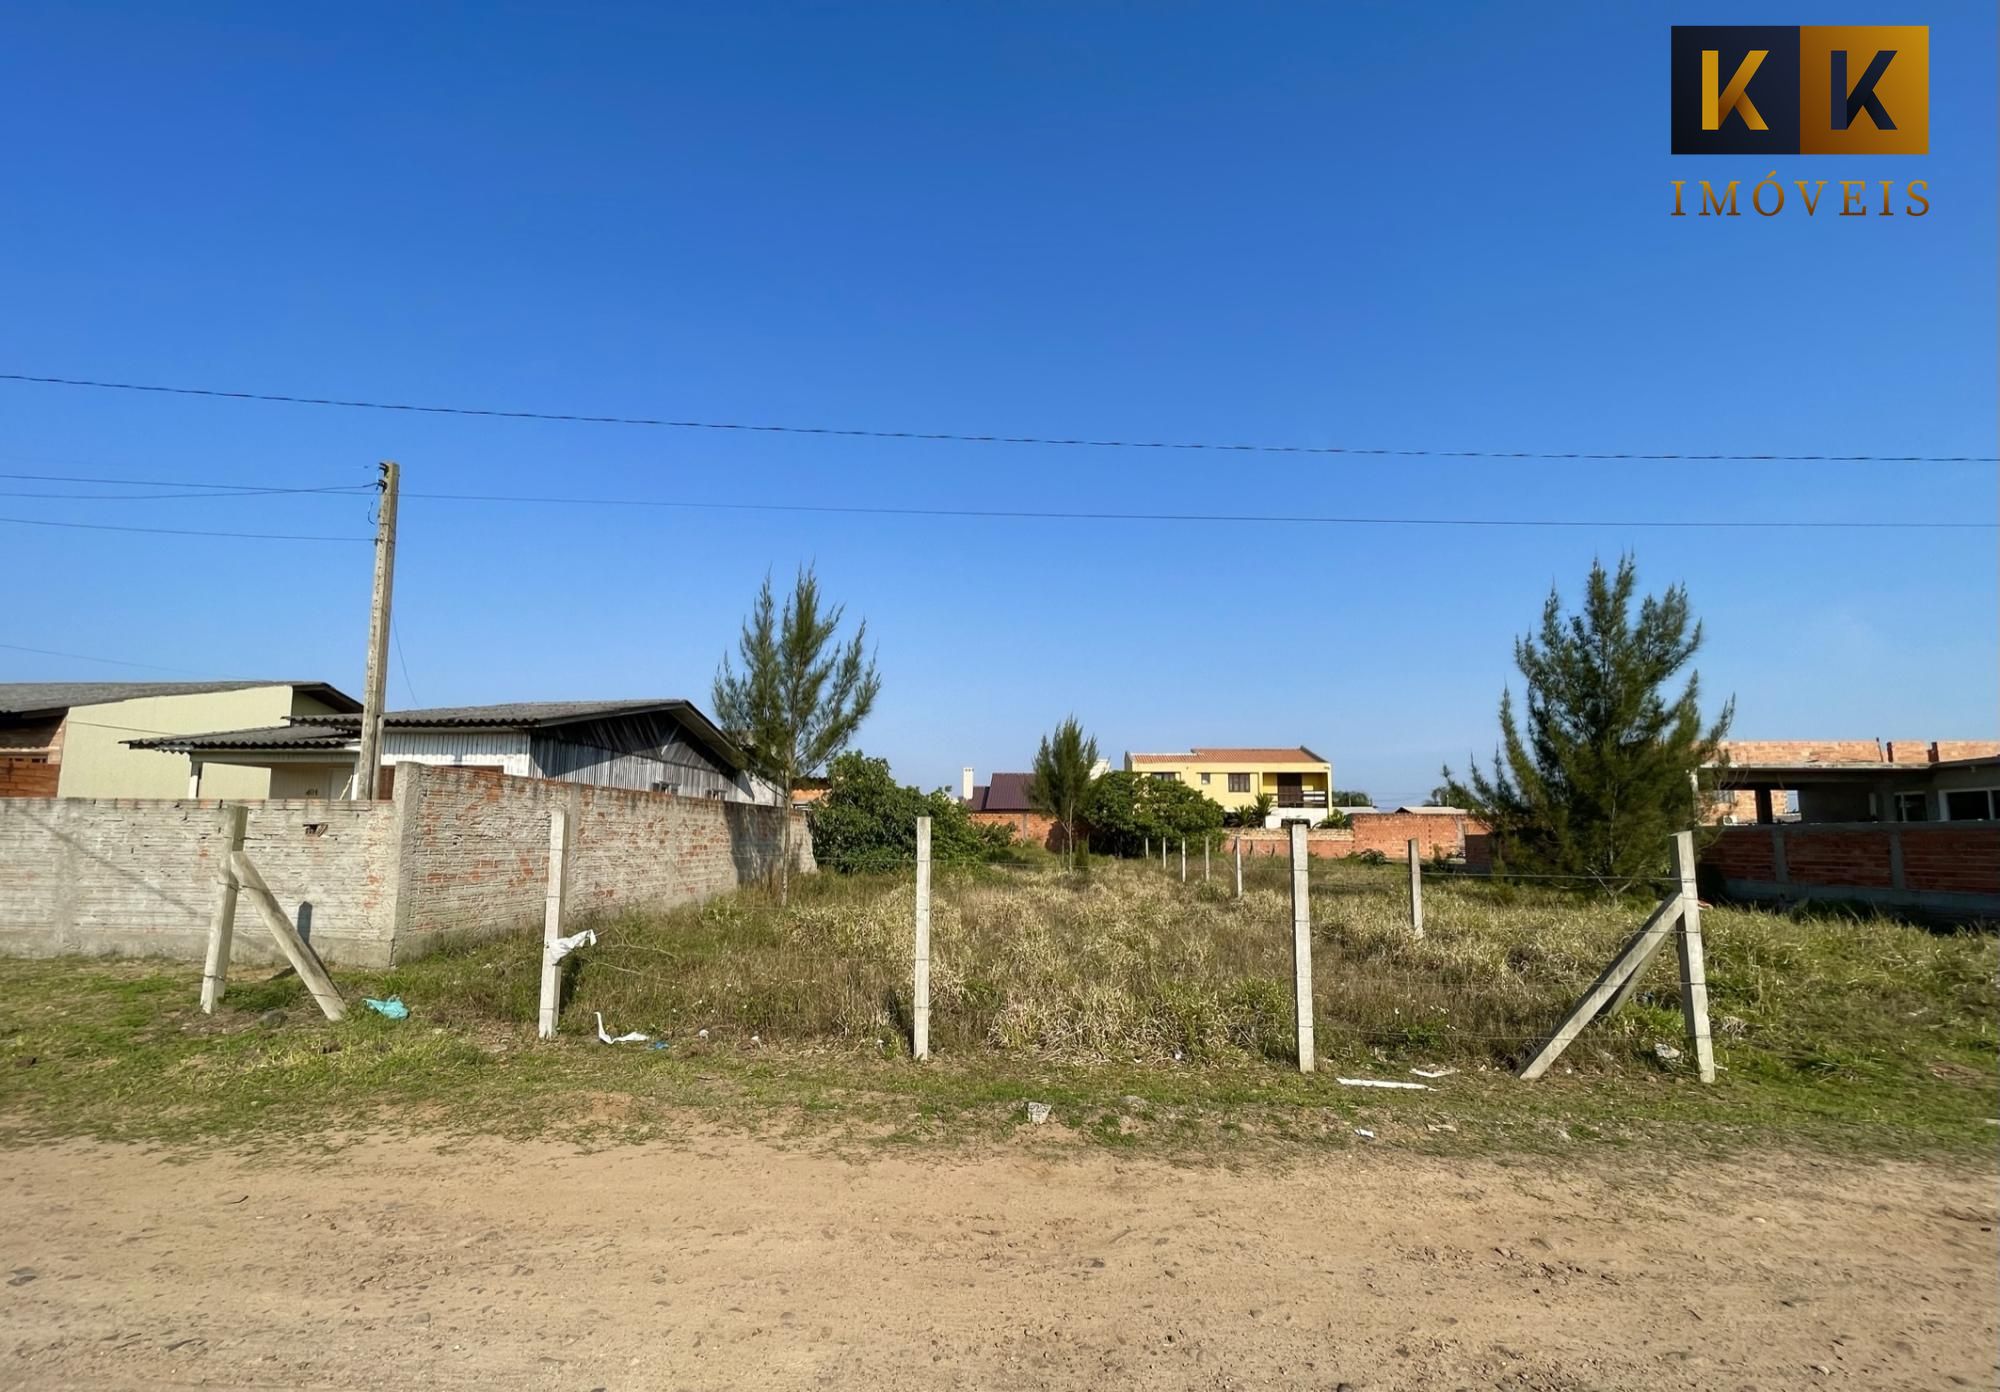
point(970, 438)
point(1008, 514)
point(174, 531)
point(1023, 514)
point(85, 657)
point(218, 487)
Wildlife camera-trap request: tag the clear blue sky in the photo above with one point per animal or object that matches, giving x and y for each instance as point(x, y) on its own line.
point(1350, 225)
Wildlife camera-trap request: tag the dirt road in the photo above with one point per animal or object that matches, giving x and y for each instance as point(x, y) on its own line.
point(733, 1264)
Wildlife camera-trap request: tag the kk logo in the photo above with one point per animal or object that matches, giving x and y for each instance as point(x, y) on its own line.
point(1817, 89)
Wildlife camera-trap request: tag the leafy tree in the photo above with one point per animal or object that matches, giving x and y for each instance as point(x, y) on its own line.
point(868, 822)
point(1126, 809)
point(800, 696)
point(1349, 797)
point(1600, 776)
point(1061, 780)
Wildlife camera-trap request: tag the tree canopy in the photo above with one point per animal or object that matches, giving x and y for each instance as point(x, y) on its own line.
point(868, 821)
point(1601, 773)
point(1125, 809)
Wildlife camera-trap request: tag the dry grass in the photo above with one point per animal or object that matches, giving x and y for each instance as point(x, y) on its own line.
point(1127, 964)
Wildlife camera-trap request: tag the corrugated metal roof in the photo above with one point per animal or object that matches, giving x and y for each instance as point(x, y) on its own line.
point(27, 698)
point(336, 731)
point(1297, 754)
point(296, 736)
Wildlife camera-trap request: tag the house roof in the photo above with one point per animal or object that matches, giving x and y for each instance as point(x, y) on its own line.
point(50, 698)
point(1008, 792)
point(1431, 811)
point(1296, 754)
point(338, 731)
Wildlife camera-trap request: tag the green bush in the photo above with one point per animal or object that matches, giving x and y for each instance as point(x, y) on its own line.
point(867, 822)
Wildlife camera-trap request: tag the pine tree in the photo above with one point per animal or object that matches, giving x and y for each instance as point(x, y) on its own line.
point(800, 696)
point(1061, 780)
point(1605, 770)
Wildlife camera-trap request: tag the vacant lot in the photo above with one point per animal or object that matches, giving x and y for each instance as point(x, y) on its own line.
point(1155, 1015)
point(781, 1197)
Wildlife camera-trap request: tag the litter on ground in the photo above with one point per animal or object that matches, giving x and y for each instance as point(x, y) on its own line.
point(604, 1036)
point(1383, 1083)
point(392, 1007)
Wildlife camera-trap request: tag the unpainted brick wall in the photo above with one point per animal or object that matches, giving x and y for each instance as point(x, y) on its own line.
point(1937, 857)
point(1033, 828)
point(1391, 832)
point(475, 850)
point(28, 778)
point(138, 877)
point(1277, 841)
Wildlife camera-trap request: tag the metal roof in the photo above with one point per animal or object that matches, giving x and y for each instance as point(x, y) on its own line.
point(49, 698)
point(337, 731)
point(301, 735)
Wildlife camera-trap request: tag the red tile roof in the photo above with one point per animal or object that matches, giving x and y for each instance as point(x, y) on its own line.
point(1008, 792)
point(1295, 755)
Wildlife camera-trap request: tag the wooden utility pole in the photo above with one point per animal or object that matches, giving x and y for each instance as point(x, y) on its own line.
point(368, 762)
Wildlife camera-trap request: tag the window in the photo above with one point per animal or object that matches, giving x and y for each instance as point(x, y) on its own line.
point(1913, 807)
point(1204, 780)
point(1969, 805)
point(1166, 777)
point(1239, 782)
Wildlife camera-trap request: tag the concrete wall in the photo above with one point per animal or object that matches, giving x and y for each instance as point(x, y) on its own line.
point(128, 877)
point(1950, 869)
point(96, 764)
point(457, 850)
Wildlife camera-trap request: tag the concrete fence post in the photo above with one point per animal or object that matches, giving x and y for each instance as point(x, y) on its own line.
point(1416, 892)
point(222, 924)
point(920, 993)
point(1239, 865)
point(1694, 967)
point(552, 920)
point(1183, 860)
point(1302, 951)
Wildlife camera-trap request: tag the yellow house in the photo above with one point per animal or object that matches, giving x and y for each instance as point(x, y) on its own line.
point(67, 739)
point(1297, 779)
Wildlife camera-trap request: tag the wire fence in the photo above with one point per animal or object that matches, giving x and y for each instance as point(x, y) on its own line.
point(1128, 962)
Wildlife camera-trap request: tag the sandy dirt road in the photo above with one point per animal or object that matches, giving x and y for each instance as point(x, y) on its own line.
point(729, 1263)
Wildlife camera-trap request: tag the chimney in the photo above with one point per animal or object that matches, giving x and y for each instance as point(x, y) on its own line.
point(965, 784)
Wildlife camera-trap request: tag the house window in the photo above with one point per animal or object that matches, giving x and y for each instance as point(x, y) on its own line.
point(1913, 807)
point(1204, 780)
point(1969, 805)
point(1166, 777)
point(1239, 782)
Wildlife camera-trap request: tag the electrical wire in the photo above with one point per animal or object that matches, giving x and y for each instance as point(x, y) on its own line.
point(967, 437)
point(176, 531)
point(1052, 515)
point(1024, 514)
point(84, 657)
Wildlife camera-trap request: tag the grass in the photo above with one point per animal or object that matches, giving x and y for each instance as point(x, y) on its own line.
point(1150, 1013)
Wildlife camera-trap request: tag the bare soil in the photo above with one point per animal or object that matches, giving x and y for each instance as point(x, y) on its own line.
point(731, 1263)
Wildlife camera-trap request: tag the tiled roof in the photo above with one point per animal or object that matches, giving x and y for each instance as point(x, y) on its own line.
point(1008, 792)
point(1297, 754)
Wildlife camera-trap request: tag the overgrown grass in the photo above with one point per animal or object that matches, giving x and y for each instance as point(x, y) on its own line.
point(1121, 994)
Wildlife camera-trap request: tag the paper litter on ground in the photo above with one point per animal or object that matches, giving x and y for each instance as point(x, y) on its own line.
point(1383, 1083)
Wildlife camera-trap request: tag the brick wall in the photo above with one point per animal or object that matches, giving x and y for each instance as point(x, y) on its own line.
point(28, 778)
point(1802, 751)
point(130, 877)
point(458, 850)
point(1949, 867)
point(1391, 832)
point(1277, 841)
point(1036, 828)
point(475, 850)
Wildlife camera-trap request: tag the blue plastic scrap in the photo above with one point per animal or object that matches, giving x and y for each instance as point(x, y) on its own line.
point(392, 1007)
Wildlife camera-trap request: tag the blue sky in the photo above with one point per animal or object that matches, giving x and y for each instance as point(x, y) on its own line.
point(1295, 224)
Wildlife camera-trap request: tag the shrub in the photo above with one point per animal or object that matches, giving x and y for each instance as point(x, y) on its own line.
point(868, 822)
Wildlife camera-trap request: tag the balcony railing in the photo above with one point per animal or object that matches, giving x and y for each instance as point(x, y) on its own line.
point(1301, 797)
